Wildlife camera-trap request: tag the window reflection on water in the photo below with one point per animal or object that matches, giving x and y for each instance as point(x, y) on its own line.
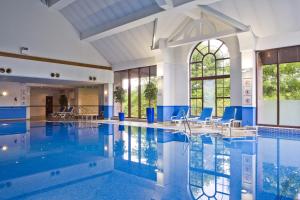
point(260, 168)
point(209, 168)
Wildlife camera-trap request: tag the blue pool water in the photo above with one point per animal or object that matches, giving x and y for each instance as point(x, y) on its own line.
point(109, 162)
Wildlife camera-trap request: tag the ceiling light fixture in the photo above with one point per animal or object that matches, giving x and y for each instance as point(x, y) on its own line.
point(4, 93)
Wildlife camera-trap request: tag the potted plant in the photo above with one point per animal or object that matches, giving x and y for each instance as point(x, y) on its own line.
point(119, 95)
point(63, 101)
point(150, 94)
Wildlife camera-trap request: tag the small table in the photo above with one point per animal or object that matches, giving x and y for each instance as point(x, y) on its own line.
point(237, 123)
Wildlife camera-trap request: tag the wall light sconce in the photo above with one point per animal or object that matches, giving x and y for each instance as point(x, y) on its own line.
point(24, 50)
point(105, 92)
point(3, 94)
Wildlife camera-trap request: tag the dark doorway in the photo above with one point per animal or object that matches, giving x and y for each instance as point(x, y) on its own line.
point(49, 105)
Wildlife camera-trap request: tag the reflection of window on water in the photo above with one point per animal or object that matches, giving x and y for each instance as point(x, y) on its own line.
point(286, 183)
point(136, 152)
point(209, 171)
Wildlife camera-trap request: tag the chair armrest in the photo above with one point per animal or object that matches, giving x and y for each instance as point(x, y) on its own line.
point(208, 119)
point(192, 118)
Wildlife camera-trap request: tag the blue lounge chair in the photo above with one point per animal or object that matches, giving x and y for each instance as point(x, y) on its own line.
point(180, 115)
point(228, 117)
point(68, 113)
point(61, 110)
point(204, 117)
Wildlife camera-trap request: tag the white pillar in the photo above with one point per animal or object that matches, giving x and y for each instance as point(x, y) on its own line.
point(106, 100)
point(167, 100)
point(247, 47)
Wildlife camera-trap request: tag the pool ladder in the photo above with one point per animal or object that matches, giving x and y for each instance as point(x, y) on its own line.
point(187, 133)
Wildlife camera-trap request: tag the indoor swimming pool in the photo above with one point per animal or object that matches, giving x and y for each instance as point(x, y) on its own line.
point(43, 160)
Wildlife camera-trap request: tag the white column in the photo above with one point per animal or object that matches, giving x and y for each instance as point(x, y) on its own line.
point(247, 47)
point(171, 83)
point(108, 100)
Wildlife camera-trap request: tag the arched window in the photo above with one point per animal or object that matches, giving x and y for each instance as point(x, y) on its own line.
point(210, 77)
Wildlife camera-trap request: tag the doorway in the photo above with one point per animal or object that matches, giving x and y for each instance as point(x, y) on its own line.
point(49, 105)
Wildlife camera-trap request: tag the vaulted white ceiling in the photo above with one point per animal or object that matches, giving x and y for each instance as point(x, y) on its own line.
point(130, 45)
point(122, 30)
point(266, 17)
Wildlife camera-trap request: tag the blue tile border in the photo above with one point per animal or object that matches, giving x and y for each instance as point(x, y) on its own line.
point(12, 112)
point(284, 133)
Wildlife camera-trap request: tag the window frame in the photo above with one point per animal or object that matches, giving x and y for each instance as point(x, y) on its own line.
point(276, 61)
point(212, 77)
point(128, 71)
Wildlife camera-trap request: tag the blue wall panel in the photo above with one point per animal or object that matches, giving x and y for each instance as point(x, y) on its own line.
point(249, 116)
point(107, 111)
point(13, 112)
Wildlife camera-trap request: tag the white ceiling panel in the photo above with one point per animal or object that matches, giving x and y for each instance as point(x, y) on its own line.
point(101, 15)
point(266, 17)
point(130, 45)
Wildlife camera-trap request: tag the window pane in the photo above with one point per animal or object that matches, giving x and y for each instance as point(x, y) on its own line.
point(196, 89)
point(226, 92)
point(196, 106)
point(220, 111)
point(209, 65)
point(223, 67)
point(144, 73)
point(222, 52)
point(220, 92)
point(214, 45)
point(209, 93)
point(121, 80)
point(227, 82)
point(226, 102)
point(268, 99)
point(153, 79)
point(196, 70)
point(203, 47)
point(134, 83)
point(196, 56)
point(290, 94)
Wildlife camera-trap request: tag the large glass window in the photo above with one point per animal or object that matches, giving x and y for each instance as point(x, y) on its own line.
point(210, 77)
point(134, 82)
point(278, 80)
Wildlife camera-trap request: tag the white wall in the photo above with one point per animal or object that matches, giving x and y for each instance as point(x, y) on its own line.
point(36, 69)
point(89, 98)
point(44, 31)
point(278, 40)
